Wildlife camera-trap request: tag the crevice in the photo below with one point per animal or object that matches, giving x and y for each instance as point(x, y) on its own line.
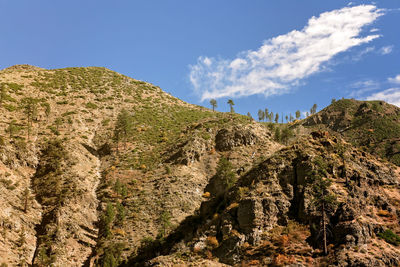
point(91, 150)
point(294, 207)
point(96, 236)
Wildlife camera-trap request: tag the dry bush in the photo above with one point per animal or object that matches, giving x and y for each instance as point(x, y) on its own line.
point(212, 241)
point(206, 195)
point(233, 205)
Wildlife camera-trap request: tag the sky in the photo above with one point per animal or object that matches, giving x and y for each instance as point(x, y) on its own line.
point(282, 55)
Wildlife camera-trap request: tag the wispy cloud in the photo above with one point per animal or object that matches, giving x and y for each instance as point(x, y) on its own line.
point(391, 96)
point(360, 54)
point(395, 79)
point(283, 61)
point(363, 87)
point(386, 50)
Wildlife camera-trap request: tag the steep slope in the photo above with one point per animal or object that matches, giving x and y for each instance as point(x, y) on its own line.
point(95, 193)
point(371, 125)
point(272, 216)
point(99, 169)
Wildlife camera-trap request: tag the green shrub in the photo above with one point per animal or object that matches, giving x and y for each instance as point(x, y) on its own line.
point(91, 105)
point(390, 237)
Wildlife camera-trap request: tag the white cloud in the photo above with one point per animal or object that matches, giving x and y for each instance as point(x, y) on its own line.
point(386, 50)
point(395, 79)
point(360, 54)
point(283, 61)
point(391, 96)
point(374, 30)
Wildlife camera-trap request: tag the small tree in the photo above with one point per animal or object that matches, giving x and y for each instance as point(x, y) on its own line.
point(313, 109)
point(261, 115)
point(276, 118)
point(122, 127)
point(121, 213)
point(12, 128)
point(271, 116)
point(47, 109)
point(3, 93)
point(165, 220)
point(291, 117)
point(106, 220)
point(287, 118)
point(29, 106)
point(323, 200)
point(286, 134)
point(249, 115)
point(225, 172)
point(266, 114)
point(298, 114)
point(26, 197)
point(58, 123)
point(277, 134)
point(342, 153)
point(213, 103)
point(231, 104)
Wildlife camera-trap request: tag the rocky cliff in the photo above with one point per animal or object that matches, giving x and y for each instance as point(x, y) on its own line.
point(98, 169)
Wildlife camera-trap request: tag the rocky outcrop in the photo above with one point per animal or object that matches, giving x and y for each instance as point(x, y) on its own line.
point(280, 189)
point(227, 139)
point(189, 151)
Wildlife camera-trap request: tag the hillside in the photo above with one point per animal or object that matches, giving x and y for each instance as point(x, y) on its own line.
point(371, 125)
point(99, 169)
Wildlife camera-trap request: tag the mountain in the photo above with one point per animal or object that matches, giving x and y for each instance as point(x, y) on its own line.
point(99, 169)
point(373, 126)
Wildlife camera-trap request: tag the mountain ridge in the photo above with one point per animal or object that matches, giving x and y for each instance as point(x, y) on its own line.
point(101, 169)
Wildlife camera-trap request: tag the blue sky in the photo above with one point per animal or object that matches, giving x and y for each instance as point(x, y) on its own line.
point(281, 55)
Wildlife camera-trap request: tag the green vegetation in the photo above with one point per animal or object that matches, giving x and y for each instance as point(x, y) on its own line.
point(3, 93)
point(276, 118)
point(324, 201)
point(13, 128)
point(123, 127)
point(213, 103)
point(106, 221)
point(29, 106)
point(313, 109)
point(390, 237)
point(373, 126)
point(225, 172)
point(261, 115)
point(165, 224)
point(91, 105)
point(231, 104)
point(49, 185)
point(298, 115)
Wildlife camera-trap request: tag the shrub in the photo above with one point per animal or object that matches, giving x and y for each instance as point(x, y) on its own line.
point(225, 172)
point(212, 241)
point(390, 237)
point(91, 105)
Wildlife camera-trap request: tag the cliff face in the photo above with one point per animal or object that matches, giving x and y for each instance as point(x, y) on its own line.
point(271, 215)
point(97, 168)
